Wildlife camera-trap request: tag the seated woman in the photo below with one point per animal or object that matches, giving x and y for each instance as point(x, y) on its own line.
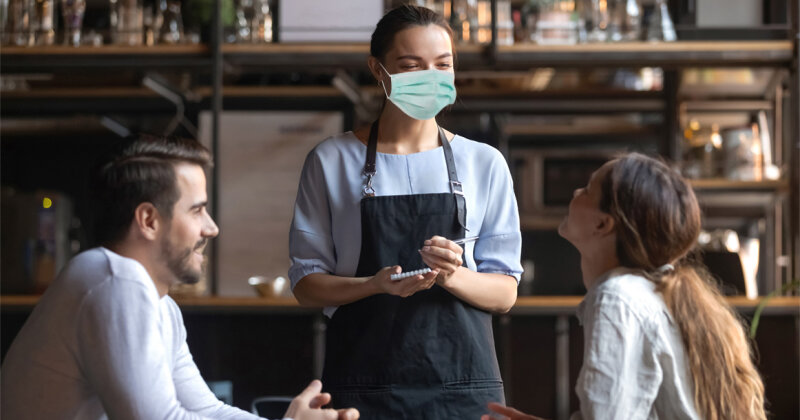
point(659, 340)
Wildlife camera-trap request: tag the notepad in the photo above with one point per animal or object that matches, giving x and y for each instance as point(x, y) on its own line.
point(408, 274)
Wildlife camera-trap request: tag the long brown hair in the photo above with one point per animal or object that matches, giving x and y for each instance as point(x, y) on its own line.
point(658, 222)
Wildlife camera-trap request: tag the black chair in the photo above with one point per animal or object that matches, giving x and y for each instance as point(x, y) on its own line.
point(271, 407)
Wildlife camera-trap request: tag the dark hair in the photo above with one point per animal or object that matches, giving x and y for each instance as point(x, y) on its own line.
point(401, 18)
point(657, 222)
point(142, 171)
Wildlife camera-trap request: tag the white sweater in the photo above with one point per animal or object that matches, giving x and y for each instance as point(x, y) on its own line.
point(102, 343)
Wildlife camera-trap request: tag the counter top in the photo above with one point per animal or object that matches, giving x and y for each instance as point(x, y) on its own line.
point(525, 305)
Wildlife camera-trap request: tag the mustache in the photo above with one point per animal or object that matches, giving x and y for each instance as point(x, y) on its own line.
point(200, 244)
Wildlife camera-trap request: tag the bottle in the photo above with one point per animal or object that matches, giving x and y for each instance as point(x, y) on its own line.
point(660, 27)
point(172, 27)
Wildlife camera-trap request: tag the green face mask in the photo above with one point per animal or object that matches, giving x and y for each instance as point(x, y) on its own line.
point(421, 94)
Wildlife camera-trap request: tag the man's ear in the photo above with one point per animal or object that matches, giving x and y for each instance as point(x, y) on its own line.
point(605, 225)
point(147, 220)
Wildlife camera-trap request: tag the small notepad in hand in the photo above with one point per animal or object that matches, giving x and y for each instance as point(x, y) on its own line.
point(408, 274)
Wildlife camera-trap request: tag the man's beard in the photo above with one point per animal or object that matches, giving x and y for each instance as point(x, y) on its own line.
point(179, 262)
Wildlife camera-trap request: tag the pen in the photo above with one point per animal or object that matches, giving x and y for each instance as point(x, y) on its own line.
point(462, 241)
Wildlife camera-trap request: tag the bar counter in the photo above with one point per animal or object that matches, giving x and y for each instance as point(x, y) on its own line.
point(526, 305)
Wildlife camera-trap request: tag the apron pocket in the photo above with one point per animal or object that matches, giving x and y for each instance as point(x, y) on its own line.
point(473, 384)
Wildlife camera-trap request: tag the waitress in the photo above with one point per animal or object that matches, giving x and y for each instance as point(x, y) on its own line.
point(392, 198)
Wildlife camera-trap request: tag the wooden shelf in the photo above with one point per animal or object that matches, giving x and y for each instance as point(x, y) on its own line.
point(726, 185)
point(349, 55)
point(106, 50)
point(525, 305)
point(311, 55)
point(47, 58)
point(648, 54)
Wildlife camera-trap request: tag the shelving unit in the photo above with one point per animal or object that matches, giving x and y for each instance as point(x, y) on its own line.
point(210, 93)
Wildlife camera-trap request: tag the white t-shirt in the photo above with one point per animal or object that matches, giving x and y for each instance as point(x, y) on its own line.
point(634, 365)
point(325, 236)
point(101, 343)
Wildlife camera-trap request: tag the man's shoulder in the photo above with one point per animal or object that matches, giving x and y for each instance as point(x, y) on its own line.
point(101, 277)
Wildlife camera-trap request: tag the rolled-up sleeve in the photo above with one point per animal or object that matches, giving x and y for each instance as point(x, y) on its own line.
point(499, 248)
point(311, 248)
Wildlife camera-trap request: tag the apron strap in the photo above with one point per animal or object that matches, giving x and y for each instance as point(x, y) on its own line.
point(455, 186)
point(369, 165)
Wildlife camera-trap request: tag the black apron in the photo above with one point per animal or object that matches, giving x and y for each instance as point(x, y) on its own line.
point(427, 356)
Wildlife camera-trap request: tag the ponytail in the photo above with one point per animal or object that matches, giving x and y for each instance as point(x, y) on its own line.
point(726, 384)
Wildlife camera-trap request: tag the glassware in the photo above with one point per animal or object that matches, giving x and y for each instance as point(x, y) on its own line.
point(554, 22)
point(262, 23)
point(624, 20)
point(42, 22)
point(172, 27)
point(253, 21)
point(72, 12)
point(600, 21)
point(243, 15)
point(459, 21)
point(16, 25)
point(127, 19)
point(660, 27)
point(483, 22)
point(505, 25)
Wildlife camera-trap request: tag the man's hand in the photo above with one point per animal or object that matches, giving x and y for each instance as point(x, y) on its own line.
point(308, 406)
point(500, 412)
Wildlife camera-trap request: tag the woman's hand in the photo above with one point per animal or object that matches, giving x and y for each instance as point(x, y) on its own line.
point(405, 287)
point(506, 413)
point(444, 255)
point(308, 406)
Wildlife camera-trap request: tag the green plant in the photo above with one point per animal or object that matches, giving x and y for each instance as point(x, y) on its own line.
point(765, 300)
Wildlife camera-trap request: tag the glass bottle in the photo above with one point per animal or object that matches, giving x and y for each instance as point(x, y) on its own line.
point(42, 22)
point(172, 26)
point(72, 12)
point(16, 25)
point(261, 28)
point(600, 21)
point(660, 27)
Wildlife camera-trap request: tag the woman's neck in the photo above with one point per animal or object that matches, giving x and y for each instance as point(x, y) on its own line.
point(594, 266)
point(400, 134)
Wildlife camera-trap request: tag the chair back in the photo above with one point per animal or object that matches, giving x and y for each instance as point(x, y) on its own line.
point(271, 407)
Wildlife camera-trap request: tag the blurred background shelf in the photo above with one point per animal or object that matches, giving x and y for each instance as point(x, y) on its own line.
point(354, 55)
point(654, 54)
point(48, 58)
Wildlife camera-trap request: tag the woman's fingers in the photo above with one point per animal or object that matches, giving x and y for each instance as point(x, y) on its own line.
point(446, 254)
point(440, 263)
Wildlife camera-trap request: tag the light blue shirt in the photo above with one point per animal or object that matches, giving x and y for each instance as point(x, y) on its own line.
point(325, 236)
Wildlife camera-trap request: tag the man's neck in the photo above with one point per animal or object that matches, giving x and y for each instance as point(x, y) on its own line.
point(143, 256)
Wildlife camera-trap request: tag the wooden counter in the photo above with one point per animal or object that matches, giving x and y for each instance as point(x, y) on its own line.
point(526, 305)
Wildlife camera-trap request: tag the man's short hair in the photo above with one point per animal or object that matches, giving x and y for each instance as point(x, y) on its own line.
point(143, 171)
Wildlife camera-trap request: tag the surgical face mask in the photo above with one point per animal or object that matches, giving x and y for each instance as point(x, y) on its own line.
point(421, 94)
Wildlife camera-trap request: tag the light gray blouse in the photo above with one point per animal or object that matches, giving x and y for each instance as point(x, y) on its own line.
point(634, 365)
point(325, 234)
